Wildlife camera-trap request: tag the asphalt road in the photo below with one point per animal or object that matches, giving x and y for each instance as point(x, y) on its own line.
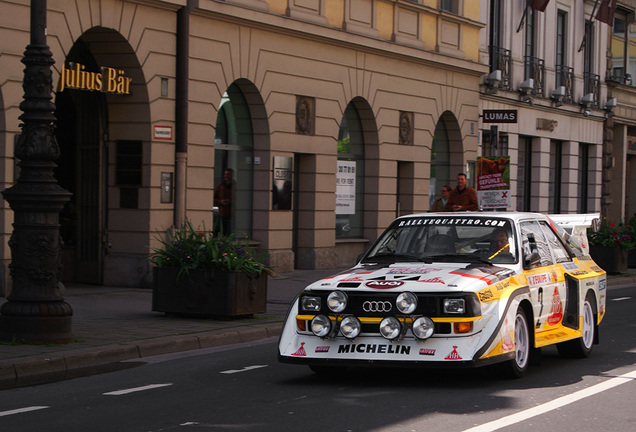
point(243, 387)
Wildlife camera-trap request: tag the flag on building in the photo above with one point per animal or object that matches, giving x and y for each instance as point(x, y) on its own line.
point(606, 11)
point(539, 5)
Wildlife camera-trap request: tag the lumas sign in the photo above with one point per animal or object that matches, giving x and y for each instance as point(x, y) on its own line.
point(107, 80)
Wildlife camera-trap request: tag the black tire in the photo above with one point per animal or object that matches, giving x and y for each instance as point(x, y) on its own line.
point(518, 366)
point(581, 347)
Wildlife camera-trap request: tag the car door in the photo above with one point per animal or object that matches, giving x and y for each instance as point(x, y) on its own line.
point(545, 278)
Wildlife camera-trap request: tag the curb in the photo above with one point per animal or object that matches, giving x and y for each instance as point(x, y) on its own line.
point(109, 358)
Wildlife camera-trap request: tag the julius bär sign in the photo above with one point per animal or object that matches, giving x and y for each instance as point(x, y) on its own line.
point(107, 80)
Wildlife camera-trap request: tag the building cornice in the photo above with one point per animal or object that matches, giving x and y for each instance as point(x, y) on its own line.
point(242, 15)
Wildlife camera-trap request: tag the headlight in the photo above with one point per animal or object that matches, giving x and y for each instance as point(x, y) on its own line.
point(406, 302)
point(454, 306)
point(350, 327)
point(337, 301)
point(390, 328)
point(321, 325)
point(423, 328)
point(310, 304)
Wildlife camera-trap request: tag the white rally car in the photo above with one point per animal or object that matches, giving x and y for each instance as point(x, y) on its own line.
point(452, 289)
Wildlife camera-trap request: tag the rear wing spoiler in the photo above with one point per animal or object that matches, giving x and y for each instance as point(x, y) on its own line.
point(577, 224)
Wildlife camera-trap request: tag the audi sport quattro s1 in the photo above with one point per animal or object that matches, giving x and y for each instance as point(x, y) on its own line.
point(452, 289)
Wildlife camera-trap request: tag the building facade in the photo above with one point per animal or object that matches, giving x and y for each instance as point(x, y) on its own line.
point(547, 66)
point(620, 180)
point(334, 116)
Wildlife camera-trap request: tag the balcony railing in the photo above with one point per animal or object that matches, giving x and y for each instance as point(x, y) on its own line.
point(565, 78)
point(535, 69)
point(500, 60)
point(592, 84)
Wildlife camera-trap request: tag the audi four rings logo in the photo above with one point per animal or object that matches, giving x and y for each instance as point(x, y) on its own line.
point(384, 284)
point(376, 306)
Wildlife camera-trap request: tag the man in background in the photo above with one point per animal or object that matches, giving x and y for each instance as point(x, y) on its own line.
point(440, 203)
point(463, 197)
point(223, 200)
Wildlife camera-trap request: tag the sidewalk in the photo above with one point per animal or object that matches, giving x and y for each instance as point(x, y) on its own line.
point(116, 324)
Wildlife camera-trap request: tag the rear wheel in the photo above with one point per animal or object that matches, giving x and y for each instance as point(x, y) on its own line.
point(518, 366)
point(581, 347)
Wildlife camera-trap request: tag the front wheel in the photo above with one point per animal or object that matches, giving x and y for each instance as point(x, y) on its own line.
point(518, 366)
point(581, 347)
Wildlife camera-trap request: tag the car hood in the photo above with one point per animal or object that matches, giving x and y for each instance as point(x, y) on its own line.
point(416, 277)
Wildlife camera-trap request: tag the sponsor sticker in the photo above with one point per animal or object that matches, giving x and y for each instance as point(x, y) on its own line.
point(539, 279)
point(570, 266)
point(374, 349)
point(384, 284)
point(433, 280)
point(454, 355)
point(408, 270)
point(485, 295)
point(322, 349)
point(427, 352)
point(301, 351)
point(453, 221)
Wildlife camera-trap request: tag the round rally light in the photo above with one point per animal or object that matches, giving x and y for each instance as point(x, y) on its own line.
point(337, 301)
point(406, 302)
point(320, 325)
point(350, 327)
point(390, 328)
point(423, 328)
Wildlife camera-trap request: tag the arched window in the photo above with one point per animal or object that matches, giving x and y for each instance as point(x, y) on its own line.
point(350, 176)
point(440, 161)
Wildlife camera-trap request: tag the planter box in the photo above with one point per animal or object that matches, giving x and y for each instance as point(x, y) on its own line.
point(224, 294)
point(610, 258)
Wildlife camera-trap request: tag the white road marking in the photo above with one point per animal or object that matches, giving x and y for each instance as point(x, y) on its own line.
point(621, 298)
point(245, 369)
point(136, 389)
point(22, 410)
point(555, 404)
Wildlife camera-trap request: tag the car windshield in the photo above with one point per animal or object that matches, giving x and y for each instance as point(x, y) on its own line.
point(451, 239)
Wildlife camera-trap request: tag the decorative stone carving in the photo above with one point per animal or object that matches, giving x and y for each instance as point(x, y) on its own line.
point(406, 128)
point(305, 117)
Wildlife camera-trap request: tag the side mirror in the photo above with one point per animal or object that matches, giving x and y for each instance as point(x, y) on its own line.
point(532, 260)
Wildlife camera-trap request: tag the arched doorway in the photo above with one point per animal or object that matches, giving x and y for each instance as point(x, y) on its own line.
point(103, 132)
point(446, 155)
point(82, 136)
point(234, 150)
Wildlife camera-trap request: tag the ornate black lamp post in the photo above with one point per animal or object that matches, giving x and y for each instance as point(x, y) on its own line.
point(35, 310)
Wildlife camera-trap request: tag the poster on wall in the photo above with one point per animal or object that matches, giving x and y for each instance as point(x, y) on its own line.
point(493, 182)
point(346, 187)
point(282, 191)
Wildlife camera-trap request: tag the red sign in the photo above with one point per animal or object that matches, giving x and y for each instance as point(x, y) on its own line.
point(162, 132)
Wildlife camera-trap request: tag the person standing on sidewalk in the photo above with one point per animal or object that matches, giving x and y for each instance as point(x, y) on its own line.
point(463, 197)
point(223, 200)
point(440, 203)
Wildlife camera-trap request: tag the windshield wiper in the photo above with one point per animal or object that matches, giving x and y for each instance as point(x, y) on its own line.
point(459, 258)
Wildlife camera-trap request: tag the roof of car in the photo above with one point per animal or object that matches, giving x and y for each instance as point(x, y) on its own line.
point(501, 214)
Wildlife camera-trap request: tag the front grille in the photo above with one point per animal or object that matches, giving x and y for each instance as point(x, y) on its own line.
point(358, 302)
point(374, 328)
point(381, 304)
